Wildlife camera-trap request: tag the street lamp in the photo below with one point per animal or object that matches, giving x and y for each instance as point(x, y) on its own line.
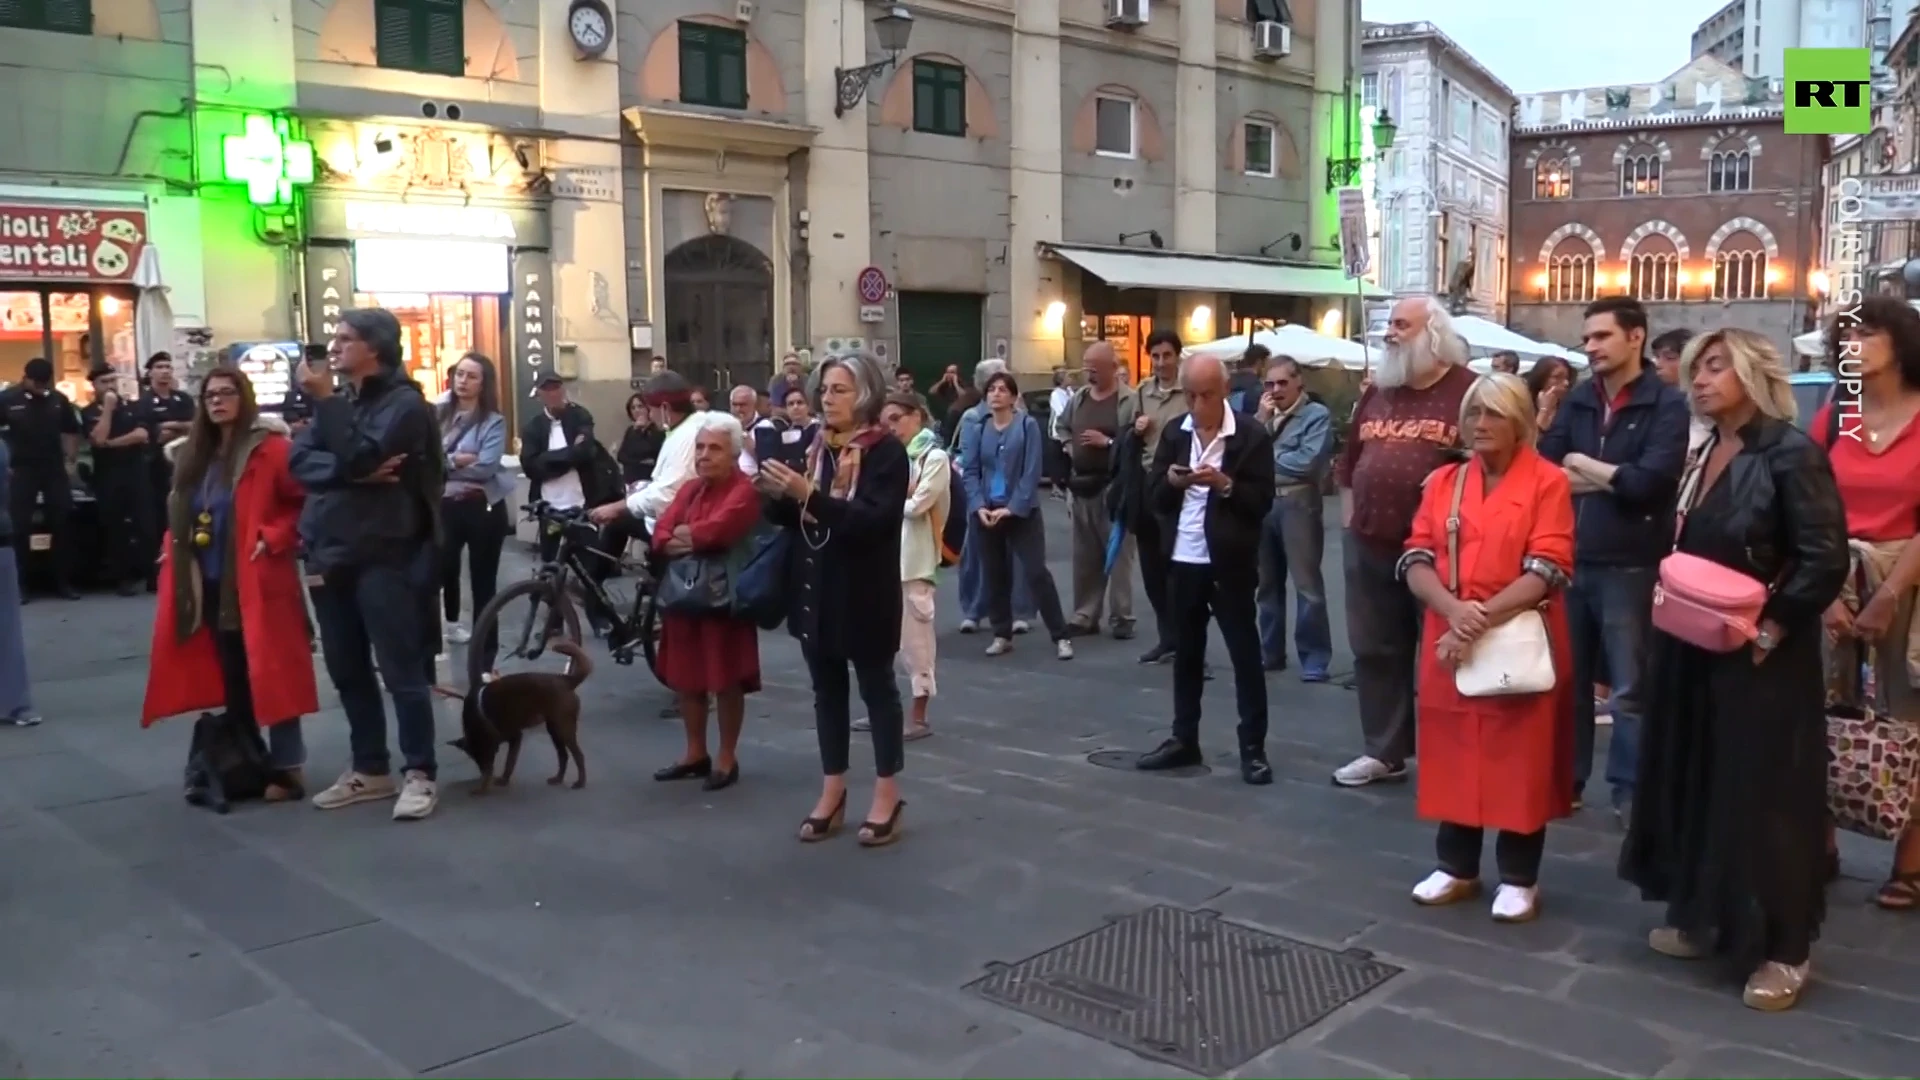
point(1384, 129)
point(1342, 172)
point(893, 26)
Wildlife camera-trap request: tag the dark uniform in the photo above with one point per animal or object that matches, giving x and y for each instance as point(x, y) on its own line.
point(123, 495)
point(175, 407)
point(35, 421)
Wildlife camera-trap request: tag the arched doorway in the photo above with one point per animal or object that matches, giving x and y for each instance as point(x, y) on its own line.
point(719, 313)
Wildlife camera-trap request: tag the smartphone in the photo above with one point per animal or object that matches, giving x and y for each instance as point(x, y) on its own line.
point(1179, 470)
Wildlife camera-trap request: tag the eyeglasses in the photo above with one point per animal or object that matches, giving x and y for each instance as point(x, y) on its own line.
point(219, 393)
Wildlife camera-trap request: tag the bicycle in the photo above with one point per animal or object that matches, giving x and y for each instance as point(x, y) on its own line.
point(553, 585)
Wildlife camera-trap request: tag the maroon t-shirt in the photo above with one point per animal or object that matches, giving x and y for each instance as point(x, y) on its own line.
point(1399, 437)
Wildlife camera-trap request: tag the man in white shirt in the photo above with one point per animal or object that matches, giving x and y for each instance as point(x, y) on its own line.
point(744, 403)
point(556, 447)
point(672, 399)
point(1211, 487)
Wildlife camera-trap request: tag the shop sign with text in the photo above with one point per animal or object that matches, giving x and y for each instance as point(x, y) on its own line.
point(532, 318)
point(70, 243)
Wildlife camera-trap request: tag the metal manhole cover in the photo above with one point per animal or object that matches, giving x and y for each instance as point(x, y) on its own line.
point(1124, 761)
point(1184, 987)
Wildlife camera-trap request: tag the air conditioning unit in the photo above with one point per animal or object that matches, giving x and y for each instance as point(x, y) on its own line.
point(1126, 14)
point(1272, 40)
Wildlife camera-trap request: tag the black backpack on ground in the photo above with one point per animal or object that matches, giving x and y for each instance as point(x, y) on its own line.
point(226, 762)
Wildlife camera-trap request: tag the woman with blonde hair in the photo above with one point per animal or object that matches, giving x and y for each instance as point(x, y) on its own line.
point(1728, 827)
point(1490, 553)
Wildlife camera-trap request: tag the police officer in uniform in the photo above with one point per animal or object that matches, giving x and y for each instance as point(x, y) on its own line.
point(122, 482)
point(169, 411)
point(43, 432)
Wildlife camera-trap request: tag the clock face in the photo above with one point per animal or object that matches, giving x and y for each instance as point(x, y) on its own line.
point(589, 27)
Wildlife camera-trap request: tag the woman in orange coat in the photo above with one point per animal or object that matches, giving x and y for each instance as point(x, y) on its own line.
point(1492, 762)
point(231, 626)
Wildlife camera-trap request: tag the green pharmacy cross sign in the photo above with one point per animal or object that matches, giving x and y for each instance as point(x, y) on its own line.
point(268, 159)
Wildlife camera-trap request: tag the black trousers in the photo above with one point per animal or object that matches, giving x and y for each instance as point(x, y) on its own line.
point(1020, 541)
point(1515, 855)
point(1197, 595)
point(36, 481)
point(1155, 551)
point(833, 712)
point(123, 499)
point(478, 530)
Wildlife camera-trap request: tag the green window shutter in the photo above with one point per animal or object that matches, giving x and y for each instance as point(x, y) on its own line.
point(730, 70)
point(695, 67)
point(953, 96)
point(713, 66)
point(393, 34)
point(67, 16)
point(14, 13)
point(443, 36)
point(939, 98)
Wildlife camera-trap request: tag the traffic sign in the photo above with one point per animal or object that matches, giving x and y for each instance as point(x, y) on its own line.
point(872, 285)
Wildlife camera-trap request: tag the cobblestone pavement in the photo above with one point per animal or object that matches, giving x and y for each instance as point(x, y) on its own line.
point(642, 929)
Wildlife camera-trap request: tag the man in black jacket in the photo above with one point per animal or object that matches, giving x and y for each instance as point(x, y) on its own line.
point(1211, 486)
point(373, 468)
point(1622, 438)
point(42, 429)
point(556, 453)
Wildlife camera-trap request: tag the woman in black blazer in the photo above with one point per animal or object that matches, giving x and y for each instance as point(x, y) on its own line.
point(844, 593)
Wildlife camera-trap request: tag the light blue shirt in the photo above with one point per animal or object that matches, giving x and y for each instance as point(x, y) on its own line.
point(1002, 467)
point(488, 441)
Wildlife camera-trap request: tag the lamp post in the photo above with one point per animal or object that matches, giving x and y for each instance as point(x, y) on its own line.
point(893, 27)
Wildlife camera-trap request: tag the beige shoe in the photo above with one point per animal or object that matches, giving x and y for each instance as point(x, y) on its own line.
point(1775, 987)
point(1441, 888)
point(1668, 941)
point(353, 787)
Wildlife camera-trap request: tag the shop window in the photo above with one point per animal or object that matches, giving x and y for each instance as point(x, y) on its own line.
point(1113, 127)
point(420, 35)
point(1259, 142)
point(60, 16)
point(939, 98)
point(77, 331)
point(713, 66)
point(437, 330)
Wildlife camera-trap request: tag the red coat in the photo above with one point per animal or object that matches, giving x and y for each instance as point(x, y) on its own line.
point(709, 654)
point(1497, 762)
point(184, 676)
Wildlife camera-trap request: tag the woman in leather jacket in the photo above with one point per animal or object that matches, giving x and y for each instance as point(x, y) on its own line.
point(1728, 826)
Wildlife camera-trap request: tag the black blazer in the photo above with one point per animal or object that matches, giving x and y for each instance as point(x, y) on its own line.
point(843, 600)
point(1233, 522)
point(541, 464)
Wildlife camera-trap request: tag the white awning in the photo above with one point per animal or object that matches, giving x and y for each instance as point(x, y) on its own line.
point(1129, 269)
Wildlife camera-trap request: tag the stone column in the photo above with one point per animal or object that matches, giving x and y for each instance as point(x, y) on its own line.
point(840, 238)
point(1196, 141)
point(1034, 208)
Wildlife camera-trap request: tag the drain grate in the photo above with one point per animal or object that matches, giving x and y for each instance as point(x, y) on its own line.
point(1124, 760)
point(1184, 987)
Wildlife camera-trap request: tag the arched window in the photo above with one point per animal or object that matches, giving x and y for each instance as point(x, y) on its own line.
point(1654, 271)
point(1640, 175)
point(1552, 179)
point(1730, 170)
point(1740, 275)
point(1570, 278)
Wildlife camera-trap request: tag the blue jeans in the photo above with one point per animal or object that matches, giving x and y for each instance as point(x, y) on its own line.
point(1610, 618)
point(973, 582)
point(1293, 540)
point(375, 613)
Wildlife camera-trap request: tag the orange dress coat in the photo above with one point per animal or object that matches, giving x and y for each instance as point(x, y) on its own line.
point(1497, 762)
point(184, 675)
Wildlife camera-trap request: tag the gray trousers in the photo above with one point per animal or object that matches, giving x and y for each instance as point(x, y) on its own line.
point(1383, 629)
point(1093, 587)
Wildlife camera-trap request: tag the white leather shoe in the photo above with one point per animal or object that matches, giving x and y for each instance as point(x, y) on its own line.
point(1441, 888)
point(1515, 904)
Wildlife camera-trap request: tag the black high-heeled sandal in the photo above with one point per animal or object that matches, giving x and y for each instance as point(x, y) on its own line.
point(882, 833)
point(717, 780)
point(814, 829)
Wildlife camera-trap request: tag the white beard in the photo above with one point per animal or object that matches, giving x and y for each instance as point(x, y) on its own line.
point(1401, 364)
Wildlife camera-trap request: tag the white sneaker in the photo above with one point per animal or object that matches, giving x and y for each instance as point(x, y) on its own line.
point(1441, 888)
point(1000, 647)
point(968, 626)
point(1512, 903)
point(1021, 626)
point(418, 797)
point(1063, 649)
point(457, 634)
point(1365, 770)
point(353, 787)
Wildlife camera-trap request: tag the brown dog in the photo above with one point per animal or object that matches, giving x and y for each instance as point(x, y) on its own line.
point(498, 712)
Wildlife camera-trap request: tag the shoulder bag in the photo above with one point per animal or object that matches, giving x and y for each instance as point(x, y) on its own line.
point(1699, 601)
point(1512, 658)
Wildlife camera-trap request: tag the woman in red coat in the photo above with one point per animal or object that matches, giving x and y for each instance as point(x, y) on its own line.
point(1500, 762)
point(704, 656)
point(231, 626)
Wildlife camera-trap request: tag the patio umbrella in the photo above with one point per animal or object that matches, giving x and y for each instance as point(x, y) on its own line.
point(152, 314)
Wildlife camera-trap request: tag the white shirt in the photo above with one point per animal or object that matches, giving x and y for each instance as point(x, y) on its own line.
point(1190, 541)
point(562, 492)
point(1057, 410)
point(673, 469)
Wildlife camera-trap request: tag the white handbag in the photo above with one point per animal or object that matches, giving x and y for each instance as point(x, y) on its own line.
point(1514, 657)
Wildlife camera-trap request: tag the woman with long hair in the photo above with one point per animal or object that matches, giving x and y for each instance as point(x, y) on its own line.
point(640, 446)
point(230, 629)
point(1873, 440)
point(1548, 382)
point(1730, 807)
point(473, 508)
point(1000, 467)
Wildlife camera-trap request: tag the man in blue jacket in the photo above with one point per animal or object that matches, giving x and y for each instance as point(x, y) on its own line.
point(1622, 438)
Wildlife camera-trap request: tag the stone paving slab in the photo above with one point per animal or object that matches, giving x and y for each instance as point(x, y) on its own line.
point(636, 928)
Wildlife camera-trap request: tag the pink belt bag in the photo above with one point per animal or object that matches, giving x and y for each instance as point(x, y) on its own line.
point(1699, 601)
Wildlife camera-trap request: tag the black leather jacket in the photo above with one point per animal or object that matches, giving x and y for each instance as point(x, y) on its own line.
point(1776, 516)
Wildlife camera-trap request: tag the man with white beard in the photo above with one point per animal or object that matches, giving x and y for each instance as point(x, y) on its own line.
point(1406, 425)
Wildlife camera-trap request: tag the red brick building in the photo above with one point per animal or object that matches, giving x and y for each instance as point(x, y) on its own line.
point(1685, 193)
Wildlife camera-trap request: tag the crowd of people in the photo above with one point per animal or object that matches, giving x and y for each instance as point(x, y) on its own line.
point(1509, 543)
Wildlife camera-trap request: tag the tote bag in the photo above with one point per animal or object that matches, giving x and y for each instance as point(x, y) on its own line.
point(1512, 658)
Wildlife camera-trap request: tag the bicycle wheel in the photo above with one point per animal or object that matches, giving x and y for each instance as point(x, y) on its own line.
point(525, 616)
